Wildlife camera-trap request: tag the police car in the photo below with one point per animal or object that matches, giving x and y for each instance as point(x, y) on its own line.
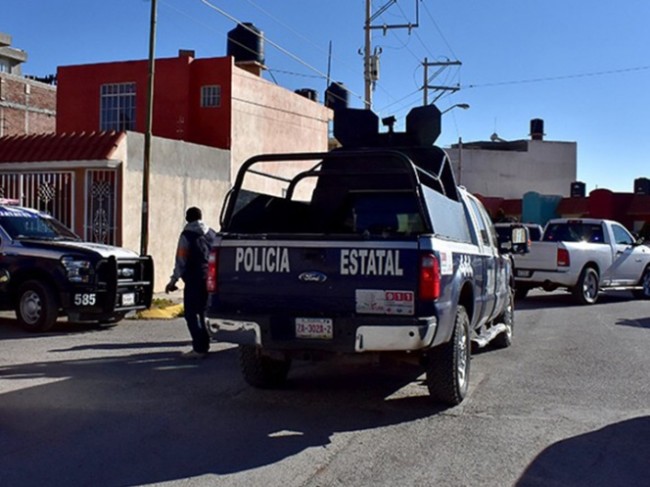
point(370, 251)
point(46, 270)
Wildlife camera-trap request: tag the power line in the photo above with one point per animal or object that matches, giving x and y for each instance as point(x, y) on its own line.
point(560, 77)
point(276, 45)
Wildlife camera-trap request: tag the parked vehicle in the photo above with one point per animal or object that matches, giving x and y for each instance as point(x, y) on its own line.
point(369, 251)
point(585, 256)
point(504, 230)
point(46, 270)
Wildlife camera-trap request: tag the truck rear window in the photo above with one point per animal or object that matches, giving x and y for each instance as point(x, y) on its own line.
point(574, 232)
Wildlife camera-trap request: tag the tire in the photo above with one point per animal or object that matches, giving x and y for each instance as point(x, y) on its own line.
point(504, 339)
point(586, 291)
point(260, 371)
point(521, 292)
point(448, 364)
point(36, 307)
point(645, 283)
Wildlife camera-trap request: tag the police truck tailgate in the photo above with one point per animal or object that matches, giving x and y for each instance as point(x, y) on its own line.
point(318, 279)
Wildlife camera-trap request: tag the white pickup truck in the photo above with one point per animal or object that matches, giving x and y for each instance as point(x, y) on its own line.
point(585, 256)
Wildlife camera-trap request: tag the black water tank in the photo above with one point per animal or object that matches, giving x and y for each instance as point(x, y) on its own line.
point(537, 129)
point(336, 96)
point(246, 43)
point(578, 189)
point(642, 186)
point(308, 93)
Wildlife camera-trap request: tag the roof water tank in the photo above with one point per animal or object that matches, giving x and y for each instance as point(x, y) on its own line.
point(336, 96)
point(246, 43)
point(308, 93)
point(578, 189)
point(642, 186)
point(537, 129)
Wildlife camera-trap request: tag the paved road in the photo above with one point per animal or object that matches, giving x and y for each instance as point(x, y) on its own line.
point(568, 404)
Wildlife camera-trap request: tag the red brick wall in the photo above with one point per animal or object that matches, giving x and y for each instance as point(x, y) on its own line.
point(26, 106)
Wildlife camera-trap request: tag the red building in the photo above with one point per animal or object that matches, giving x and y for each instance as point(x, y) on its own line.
point(192, 98)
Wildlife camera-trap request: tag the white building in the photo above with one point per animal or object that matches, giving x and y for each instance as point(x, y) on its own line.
point(509, 169)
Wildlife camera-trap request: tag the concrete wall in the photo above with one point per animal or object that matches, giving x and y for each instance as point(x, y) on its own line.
point(181, 175)
point(269, 119)
point(546, 167)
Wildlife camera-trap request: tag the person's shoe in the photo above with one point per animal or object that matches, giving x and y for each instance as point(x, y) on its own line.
point(193, 355)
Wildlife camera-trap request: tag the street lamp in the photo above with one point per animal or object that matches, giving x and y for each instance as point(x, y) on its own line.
point(464, 106)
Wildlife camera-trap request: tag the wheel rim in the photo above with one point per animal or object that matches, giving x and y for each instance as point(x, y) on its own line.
point(30, 307)
point(590, 286)
point(462, 358)
point(646, 284)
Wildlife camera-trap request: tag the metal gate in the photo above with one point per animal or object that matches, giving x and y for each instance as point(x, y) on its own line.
point(50, 192)
point(101, 207)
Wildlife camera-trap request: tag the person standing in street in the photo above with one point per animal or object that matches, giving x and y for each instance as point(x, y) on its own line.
point(191, 266)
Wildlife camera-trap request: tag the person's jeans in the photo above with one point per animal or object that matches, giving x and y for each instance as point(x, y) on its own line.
point(195, 299)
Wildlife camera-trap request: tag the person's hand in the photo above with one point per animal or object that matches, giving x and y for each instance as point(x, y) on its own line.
point(170, 287)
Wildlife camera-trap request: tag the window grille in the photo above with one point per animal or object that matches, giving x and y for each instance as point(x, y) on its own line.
point(211, 96)
point(117, 107)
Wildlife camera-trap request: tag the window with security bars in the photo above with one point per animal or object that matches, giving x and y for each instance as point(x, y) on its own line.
point(210, 96)
point(117, 107)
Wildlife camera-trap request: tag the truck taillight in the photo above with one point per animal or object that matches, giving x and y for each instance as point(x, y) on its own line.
point(429, 277)
point(563, 259)
point(213, 267)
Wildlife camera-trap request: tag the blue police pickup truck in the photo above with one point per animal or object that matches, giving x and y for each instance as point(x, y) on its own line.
point(47, 271)
point(368, 250)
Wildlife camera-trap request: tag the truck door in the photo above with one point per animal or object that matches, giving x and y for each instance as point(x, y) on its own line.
point(485, 267)
point(628, 258)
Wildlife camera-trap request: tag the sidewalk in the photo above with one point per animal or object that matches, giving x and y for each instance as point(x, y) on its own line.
point(163, 307)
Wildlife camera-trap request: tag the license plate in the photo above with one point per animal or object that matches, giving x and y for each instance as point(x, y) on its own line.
point(314, 328)
point(521, 273)
point(128, 299)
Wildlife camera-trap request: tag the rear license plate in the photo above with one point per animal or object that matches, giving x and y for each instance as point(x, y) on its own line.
point(522, 273)
point(128, 299)
point(321, 328)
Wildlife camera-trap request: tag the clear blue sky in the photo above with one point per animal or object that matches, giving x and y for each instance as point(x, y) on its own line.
point(581, 65)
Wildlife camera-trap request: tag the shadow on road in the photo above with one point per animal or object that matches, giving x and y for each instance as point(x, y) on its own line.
point(133, 419)
point(561, 299)
point(616, 455)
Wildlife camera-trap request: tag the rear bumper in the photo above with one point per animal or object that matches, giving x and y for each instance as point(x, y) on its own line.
point(539, 278)
point(361, 335)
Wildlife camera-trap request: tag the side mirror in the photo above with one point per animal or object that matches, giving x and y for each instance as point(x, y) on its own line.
point(517, 241)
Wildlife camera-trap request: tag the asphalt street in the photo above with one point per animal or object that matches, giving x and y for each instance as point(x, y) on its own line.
point(567, 404)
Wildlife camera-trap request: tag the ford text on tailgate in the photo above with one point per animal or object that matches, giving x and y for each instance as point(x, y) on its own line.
point(369, 251)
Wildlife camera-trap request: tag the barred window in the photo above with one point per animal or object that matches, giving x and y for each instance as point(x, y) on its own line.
point(211, 96)
point(117, 107)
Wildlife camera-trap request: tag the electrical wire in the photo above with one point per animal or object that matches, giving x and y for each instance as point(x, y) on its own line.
point(276, 45)
point(559, 78)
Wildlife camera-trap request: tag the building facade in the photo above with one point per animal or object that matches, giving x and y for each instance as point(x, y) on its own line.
point(510, 169)
point(212, 102)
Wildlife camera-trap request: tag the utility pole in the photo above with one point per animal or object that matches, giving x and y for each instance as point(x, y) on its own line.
point(370, 56)
point(366, 59)
point(144, 230)
point(441, 65)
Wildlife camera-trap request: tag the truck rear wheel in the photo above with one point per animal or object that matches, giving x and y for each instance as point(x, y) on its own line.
point(448, 365)
point(645, 284)
point(36, 309)
point(586, 291)
point(260, 371)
